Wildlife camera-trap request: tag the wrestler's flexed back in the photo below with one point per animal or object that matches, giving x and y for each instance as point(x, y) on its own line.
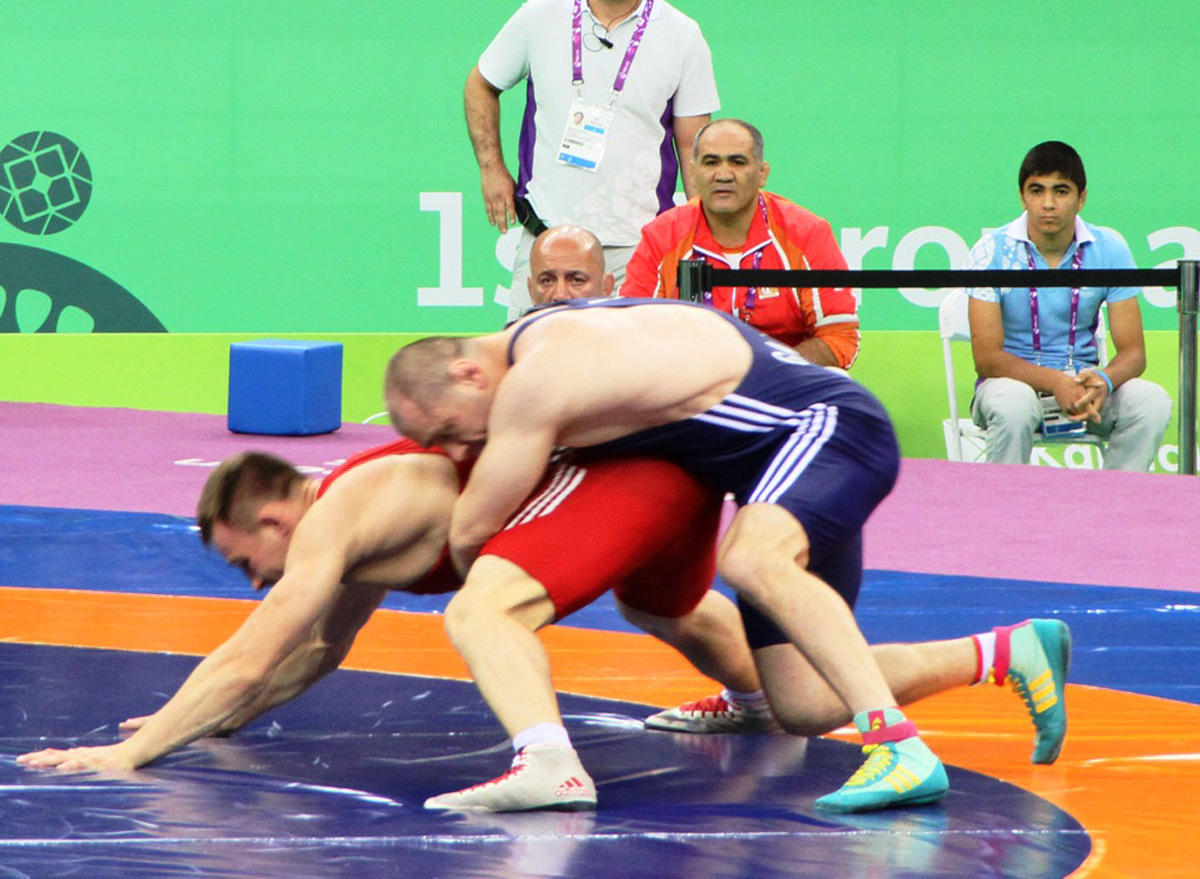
point(632, 364)
point(630, 367)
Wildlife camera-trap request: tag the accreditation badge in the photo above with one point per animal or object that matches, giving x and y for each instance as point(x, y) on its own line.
point(585, 135)
point(1055, 422)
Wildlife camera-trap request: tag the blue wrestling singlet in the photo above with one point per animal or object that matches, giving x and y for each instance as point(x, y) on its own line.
point(782, 399)
point(804, 437)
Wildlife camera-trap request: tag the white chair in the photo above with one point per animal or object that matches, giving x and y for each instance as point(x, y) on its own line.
point(965, 441)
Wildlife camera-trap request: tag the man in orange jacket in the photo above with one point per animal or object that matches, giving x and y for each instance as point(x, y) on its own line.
point(733, 223)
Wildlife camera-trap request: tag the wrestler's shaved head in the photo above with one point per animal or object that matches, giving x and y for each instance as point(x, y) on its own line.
point(421, 368)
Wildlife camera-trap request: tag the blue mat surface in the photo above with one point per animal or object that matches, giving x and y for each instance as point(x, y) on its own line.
point(332, 784)
point(152, 553)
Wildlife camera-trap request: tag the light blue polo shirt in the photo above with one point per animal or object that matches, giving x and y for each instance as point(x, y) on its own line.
point(1009, 248)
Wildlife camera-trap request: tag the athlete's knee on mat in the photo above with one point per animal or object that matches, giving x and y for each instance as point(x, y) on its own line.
point(799, 715)
point(804, 722)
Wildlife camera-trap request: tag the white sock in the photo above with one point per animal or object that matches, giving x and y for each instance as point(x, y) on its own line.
point(755, 700)
point(542, 734)
point(985, 654)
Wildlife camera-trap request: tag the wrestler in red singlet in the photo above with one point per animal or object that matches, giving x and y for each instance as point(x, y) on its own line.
point(639, 526)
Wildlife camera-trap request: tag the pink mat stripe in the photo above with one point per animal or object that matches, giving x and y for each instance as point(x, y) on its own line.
point(1025, 523)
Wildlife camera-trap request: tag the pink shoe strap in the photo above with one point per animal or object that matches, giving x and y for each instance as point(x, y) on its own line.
point(906, 729)
point(1003, 653)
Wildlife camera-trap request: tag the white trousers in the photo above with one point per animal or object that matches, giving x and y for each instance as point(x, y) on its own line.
point(1132, 420)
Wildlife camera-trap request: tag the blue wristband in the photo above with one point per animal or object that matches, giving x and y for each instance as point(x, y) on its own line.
point(1107, 380)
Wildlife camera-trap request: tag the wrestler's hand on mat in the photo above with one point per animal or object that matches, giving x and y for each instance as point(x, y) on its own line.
point(106, 758)
point(133, 724)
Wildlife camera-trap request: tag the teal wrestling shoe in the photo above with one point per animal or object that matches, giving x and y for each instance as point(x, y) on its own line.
point(1033, 658)
point(900, 770)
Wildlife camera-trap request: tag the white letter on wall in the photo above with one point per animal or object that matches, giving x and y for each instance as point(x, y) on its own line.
point(450, 289)
point(905, 258)
point(855, 246)
point(1190, 239)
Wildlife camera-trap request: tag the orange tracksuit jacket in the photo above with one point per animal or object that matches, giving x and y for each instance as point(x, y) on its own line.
point(792, 238)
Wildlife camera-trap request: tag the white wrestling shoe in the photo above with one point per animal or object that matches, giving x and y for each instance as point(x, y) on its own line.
point(542, 776)
point(714, 714)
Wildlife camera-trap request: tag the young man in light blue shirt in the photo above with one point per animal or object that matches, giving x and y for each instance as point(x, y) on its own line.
point(1036, 350)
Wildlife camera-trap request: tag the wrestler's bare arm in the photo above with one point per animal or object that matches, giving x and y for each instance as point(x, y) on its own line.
point(623, 369)
point(388, 519)
point(224, 684)
point(507, 471)
point(314, 658)
point(394, 516)
point(306, 617)
point(553, 383)
point(611, 375)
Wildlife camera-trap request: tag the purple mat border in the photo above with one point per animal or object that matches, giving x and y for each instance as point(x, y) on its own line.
point(135, 460)
point(1091, 527)
point(1025, 523)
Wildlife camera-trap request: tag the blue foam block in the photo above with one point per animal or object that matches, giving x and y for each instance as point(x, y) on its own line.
point(285, 388)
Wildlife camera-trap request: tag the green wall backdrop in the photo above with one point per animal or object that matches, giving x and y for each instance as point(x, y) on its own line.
point(256, 168)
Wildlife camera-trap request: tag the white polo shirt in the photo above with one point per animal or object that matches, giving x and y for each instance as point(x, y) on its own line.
point(671, 76)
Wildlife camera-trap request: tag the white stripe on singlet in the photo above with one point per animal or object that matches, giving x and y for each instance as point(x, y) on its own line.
point(564, 481)
point(812, 428)
point(746, 414)
point(797, 453)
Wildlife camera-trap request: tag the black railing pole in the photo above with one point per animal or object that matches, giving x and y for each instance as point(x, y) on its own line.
point(1189, 306)
point(695, 279)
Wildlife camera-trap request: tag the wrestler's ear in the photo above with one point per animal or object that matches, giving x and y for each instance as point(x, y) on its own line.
point(275, 514)
point(466, 371)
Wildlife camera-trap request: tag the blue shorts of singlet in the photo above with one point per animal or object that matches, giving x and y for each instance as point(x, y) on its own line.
point(852, 469)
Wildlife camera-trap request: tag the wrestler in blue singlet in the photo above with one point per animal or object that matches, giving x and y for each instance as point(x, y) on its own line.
point(792, 433)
